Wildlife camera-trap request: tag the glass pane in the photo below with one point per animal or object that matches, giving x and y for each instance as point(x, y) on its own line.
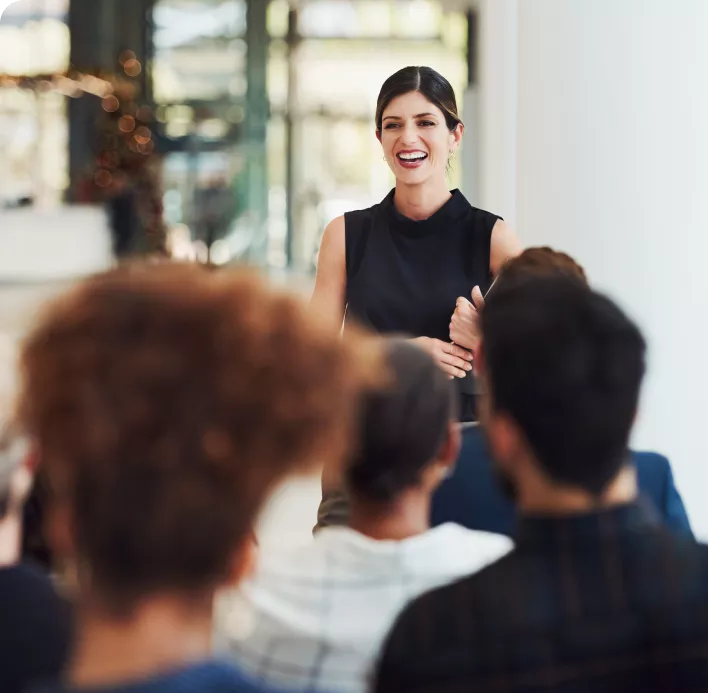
point(199, 50)
point(29, 9)
point(34, 38)
point(417, 18)
point(180, 23)
point(330, 18)
point(371, 18)
point(278, 11)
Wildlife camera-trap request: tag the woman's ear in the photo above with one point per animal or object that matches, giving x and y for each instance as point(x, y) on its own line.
point(378, 134)
point(456, 136)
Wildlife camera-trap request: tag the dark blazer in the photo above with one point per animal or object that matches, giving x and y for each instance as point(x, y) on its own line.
point(471, 497)
point(608, 602)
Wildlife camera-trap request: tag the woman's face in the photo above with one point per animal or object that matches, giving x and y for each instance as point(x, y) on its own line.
point(415, 139)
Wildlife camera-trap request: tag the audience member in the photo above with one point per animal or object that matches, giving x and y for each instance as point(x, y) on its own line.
point(596, 596)
point(470, 497)
point(320, 613)
point(36, 621)
point(166, 401)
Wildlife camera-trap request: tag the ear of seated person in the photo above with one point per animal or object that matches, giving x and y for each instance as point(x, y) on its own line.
point(166, 403)
point(318, 614)
point(597, 594)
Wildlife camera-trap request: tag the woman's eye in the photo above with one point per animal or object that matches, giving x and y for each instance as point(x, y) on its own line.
point(390, 126)
point(426, 123)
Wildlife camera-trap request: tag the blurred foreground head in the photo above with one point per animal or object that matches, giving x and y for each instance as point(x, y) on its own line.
point(166, 401)
point(563, 367)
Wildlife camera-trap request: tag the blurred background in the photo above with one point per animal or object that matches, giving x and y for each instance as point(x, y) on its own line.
point(251, 121)
point(233, 130)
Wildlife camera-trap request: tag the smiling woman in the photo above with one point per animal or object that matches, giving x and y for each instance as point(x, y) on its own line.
point(400, 266)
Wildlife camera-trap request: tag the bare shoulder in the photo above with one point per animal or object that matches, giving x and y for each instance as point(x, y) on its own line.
point(334, 233)
point(505, 245)
point(333, 246)
point(328, 296)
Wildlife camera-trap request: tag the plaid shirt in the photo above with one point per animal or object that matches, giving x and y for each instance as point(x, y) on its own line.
point(313, 619)
point(597, 603)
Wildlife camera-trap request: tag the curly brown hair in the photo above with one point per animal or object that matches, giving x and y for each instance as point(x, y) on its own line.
point(166, 402)
point(542, 261)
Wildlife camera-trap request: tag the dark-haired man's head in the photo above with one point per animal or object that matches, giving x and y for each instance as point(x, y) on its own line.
point(562, 367)
point(409, 440)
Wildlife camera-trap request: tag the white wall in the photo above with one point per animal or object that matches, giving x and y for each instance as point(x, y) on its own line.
point(611, 136)
point(498, 107)
point(489, 111)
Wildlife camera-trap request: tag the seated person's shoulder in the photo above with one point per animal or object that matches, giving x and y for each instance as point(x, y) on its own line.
point(477, 549)
point(28, 586)
point(652, 462)
point(37, 626)
point(474, 597)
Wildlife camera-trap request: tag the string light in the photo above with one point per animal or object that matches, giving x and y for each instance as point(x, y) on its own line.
point(126, 142)
point(103, 178)
point(111, 104)
point(126, 123)
point(126, 56)
point(143, 135)
point(133, 68)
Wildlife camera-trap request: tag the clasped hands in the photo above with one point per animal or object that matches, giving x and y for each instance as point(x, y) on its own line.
point(455, 357)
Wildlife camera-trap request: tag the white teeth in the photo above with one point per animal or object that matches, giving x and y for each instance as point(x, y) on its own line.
point(413, 156)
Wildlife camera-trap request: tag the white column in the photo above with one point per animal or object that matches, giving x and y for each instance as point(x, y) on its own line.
point(496, 109)
point(613, 167)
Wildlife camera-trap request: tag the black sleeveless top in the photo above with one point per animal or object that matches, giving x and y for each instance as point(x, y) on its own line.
point(404, 276)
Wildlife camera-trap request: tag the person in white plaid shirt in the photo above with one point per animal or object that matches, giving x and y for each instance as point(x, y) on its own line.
point(317, 616)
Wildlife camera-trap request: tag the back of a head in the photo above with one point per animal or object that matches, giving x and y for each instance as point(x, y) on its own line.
point(166, 401)
point(541, 261)
point(566, 365)
point(403, 426)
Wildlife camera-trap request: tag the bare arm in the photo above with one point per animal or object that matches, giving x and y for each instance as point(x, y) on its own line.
point(329, 296)
point(505, 245)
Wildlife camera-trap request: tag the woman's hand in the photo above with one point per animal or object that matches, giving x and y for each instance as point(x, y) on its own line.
point(464, 326)
point(454, 360)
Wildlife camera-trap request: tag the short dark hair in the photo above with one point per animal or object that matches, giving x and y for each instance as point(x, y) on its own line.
point(403, 426)
point(567, 365)
point(431, 84)
point(542, 261)
point(166, 401)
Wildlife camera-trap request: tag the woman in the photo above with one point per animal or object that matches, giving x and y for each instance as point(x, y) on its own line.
point(400, 266)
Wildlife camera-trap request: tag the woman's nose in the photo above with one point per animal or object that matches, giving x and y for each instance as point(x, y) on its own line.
point(409, 135)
